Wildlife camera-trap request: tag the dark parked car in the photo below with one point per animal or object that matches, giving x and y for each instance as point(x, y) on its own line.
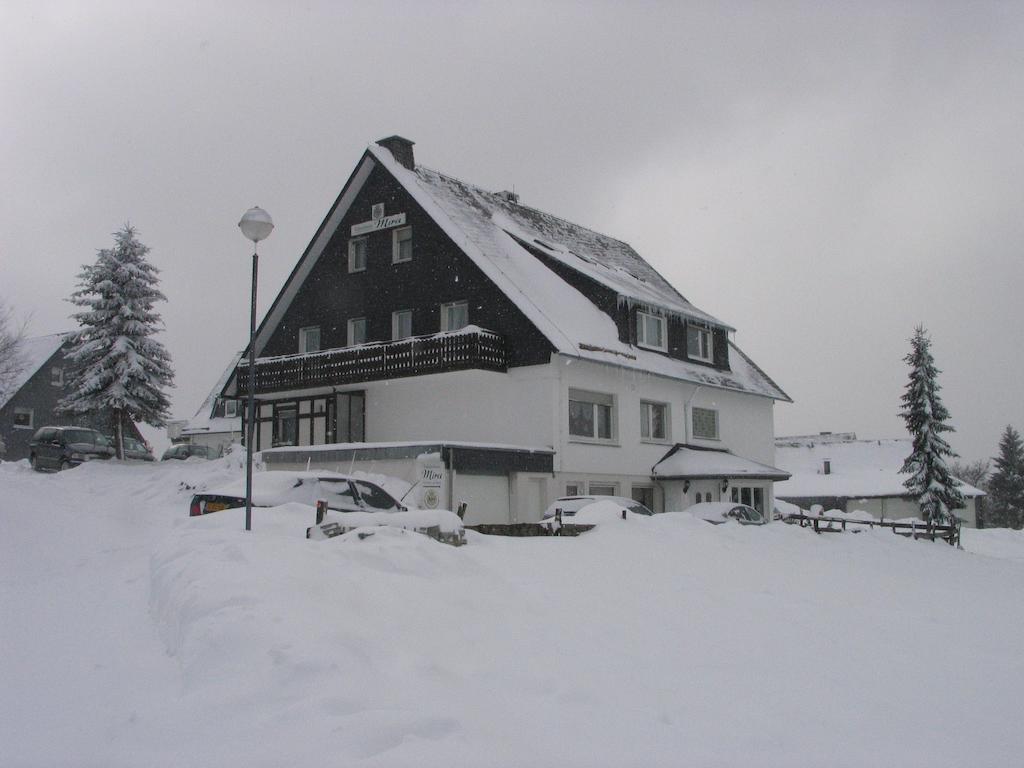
point(187, 451)
point(66, 447)
point(136, 450)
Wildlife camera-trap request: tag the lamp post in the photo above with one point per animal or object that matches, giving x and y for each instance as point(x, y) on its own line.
point(256, 225)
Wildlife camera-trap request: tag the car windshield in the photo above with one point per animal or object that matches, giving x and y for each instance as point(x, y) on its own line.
point(80, 436)
point(639, 509)
point(374, 497)
point(337, 493)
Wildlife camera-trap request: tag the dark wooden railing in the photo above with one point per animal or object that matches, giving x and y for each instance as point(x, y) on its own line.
point(415, 356)
point(822, 524)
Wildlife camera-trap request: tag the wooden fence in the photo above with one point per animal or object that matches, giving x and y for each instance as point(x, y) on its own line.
point(822, 524)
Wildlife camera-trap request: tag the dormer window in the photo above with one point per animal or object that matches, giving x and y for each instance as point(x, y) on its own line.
point(699, 343)
point(230, 409)
point(650, 331)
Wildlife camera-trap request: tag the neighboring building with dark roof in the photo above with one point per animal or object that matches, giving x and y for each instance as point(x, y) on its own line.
point(838, 471)
point(32, 400)
point(218, 422)
point(429, 311)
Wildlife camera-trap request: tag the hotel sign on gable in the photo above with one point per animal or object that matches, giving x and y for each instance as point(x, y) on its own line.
point(384, 222)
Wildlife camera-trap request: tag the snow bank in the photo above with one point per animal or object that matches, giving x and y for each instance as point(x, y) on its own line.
point(142, 636)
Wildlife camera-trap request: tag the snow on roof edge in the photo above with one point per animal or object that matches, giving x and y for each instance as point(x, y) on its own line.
point(35, 351)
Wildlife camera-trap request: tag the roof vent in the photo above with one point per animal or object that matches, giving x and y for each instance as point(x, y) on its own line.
point(511, 197)
point(401, 149)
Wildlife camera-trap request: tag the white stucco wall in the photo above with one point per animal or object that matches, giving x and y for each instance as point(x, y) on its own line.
point(513, 408)
point(746, 422)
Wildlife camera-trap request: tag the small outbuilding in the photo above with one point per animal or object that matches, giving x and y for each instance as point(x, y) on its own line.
point(838, 471)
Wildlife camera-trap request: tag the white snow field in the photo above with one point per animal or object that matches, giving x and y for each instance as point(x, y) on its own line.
point(132, 635)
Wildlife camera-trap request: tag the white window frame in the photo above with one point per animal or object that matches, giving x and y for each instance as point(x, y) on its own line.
point(352, 266)
point(21, 412)
point(706, 355)
point(579, 485)
point(596, 485)
point(304, 339)
point(736, 494)
point(646, 421)
point(230, 409)
point(395, 321)
point(396, 245)
point(693, 423)
point(446, 321)
point(596, 400)
point(350, 335)
point(57, 376)
point(642, 318)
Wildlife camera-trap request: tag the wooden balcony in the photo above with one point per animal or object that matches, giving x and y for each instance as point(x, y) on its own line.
point(467, 349)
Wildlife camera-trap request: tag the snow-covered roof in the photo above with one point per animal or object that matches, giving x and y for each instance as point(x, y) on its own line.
point(491, 230)
point(204, 422)
point(34, 353)
point(686, 462)
point(857, 468)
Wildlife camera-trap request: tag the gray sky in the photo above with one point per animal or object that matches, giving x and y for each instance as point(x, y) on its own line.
point(821, 176)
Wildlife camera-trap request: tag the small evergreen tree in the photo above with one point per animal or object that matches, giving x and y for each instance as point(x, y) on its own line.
point(118, 369)
point(1006, 487)
point(930, 482)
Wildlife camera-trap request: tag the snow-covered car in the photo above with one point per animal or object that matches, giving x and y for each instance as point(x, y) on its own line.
point(352, 502)
point(573, 506)
point(343, 493)
point(718, 512)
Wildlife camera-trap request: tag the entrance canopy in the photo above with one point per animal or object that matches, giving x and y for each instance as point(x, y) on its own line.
point(688, 462)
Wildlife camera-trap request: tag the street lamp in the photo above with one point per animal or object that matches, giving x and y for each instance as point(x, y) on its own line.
point(256, 225)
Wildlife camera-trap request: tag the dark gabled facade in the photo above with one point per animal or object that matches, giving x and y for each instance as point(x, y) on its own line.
point(438, 273)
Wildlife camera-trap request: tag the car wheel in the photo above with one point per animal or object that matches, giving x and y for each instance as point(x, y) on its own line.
point(66, 465)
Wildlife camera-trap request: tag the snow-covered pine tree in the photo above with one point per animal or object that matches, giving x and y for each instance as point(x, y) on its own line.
point(1006, 487)
point(936, 490)
point(118, 370)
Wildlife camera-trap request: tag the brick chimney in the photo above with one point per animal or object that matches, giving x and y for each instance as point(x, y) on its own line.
point(401, 149)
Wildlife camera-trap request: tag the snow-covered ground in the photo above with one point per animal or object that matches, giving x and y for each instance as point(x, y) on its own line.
point(132, 635)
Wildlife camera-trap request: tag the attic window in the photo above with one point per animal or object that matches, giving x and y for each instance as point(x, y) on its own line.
point(357, 254)
point(699, 343)
point(650, 331)
point(230, 409)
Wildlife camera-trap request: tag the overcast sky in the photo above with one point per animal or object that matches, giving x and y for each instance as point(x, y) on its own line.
point(821, 176)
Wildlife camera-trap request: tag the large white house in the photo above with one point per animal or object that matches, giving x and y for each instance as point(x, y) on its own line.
point(443, 332)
